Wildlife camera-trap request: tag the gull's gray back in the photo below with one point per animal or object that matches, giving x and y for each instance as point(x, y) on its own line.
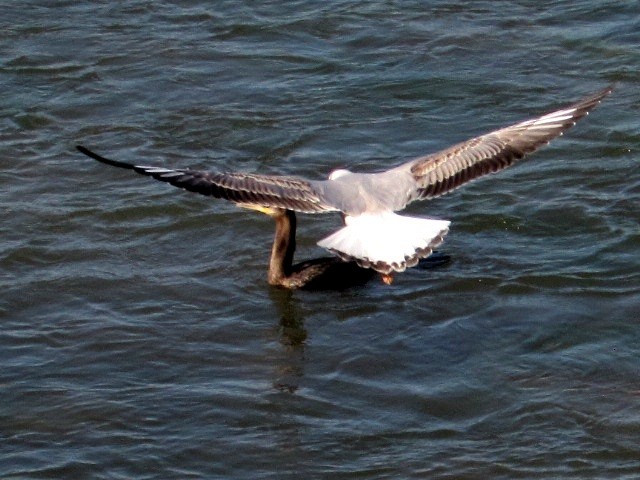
point(357, 193)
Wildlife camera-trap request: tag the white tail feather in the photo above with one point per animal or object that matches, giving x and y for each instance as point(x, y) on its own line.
point(385, 241)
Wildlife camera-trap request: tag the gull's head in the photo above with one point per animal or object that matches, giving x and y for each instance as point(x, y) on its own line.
point(338, 173)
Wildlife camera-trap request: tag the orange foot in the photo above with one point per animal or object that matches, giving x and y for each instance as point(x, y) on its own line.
point(387, 278)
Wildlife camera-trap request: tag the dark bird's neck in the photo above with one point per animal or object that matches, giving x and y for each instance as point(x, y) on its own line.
point(284, 246)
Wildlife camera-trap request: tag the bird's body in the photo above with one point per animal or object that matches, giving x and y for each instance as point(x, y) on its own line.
point(374, 236)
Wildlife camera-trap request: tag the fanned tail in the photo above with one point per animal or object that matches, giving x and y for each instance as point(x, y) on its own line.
point(386, 242)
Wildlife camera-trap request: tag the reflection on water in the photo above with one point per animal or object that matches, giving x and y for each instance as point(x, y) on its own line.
point(292, 333)
point(292, 336)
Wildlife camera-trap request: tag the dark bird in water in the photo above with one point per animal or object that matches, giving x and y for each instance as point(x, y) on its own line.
point(373, 238)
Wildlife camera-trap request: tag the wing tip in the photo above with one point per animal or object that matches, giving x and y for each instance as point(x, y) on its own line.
point(597, 97)
point(91, 154)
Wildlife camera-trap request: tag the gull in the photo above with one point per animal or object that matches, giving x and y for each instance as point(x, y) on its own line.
point(374, 237)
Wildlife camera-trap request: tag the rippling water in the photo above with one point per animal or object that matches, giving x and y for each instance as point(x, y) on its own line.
point(139, 338)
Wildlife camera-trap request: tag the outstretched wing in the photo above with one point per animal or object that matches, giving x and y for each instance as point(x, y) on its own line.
point(273, 191)
point(444, 171)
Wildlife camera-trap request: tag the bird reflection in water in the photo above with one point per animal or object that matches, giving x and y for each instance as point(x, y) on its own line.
point(292, 334)
point(292, 337)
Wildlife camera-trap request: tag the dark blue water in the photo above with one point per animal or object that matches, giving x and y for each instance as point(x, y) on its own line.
point(138, 335)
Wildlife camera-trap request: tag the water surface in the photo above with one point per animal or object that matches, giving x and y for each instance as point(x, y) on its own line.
point(139, 338)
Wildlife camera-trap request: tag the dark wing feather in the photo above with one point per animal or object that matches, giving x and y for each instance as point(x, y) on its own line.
point(448, 169)
point(290, 193)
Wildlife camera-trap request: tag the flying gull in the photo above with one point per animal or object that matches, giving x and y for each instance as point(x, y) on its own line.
point(373, 237)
